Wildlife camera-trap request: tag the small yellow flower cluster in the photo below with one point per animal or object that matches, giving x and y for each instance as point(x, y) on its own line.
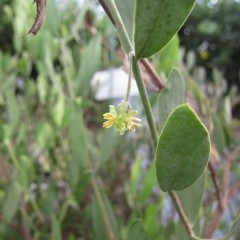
point(123, 120)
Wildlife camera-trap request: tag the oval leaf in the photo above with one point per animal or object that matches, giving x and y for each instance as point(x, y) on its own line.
point(156, 22)
point(183, 150)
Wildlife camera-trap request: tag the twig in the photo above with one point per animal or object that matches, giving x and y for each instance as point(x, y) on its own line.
point(181, 213)
point(152, 73)
point(234, 189)
point(225, 195)
point(214, 180)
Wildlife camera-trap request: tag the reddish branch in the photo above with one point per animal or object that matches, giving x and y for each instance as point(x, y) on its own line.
point(215, 183)
point(148, 66)
point(226, 194)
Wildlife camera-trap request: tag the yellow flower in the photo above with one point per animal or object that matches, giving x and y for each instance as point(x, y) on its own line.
point(122, 120)
point(110, 117)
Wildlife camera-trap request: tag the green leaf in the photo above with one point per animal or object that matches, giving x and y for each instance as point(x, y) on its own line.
point(151, 222)
point(126, 10)
point(149, 181)
point(218, 134)
point(12, 199)
point(1, 130)
point(108, 146)
point(132, 186)
point(171, 96)
point(191, 198)
point(183, 150)
point(136, 231)
point(26, 171)
point(13, 113)
point(52, 20)
point(78, 143)
point(45, 135)
point(99, 224)
point(169, 56)
point(90, 61)
point(156, 22)
point(58, 111)
point(56, 229)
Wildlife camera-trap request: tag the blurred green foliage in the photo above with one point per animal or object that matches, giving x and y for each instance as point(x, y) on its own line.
point(61, 175)
point(213, 32)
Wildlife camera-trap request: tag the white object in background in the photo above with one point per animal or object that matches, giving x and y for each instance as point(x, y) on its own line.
point(111, 84)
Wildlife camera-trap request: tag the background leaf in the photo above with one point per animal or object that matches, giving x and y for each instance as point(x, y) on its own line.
point(183, 150)
point(91, 57)
point(12, 199)
point(136, 231)
point(98, 220)
point(156, 22)
point(171, 96)
point(126, 10)
point(191, 198)
point(56, 229)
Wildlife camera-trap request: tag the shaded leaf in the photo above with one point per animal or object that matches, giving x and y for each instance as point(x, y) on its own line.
point(156, 22)
point(108, 146)
point(56, 229)
point(171, 96)
point(98, 218)
point(148, 184)
point(169, 56)
point(90, 62)
point(191, 198)
point(183, 150)
point(11, 202)
point(126, 10)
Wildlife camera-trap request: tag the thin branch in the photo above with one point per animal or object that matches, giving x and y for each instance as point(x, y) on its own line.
point(215, 183)
point(234, 189)
point(152, 73)
point(226, 193)
point(181, 213)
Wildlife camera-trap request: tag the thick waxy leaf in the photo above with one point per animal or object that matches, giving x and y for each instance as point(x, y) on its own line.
point(183, 150)
point(171, 96)
point(156, 22)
